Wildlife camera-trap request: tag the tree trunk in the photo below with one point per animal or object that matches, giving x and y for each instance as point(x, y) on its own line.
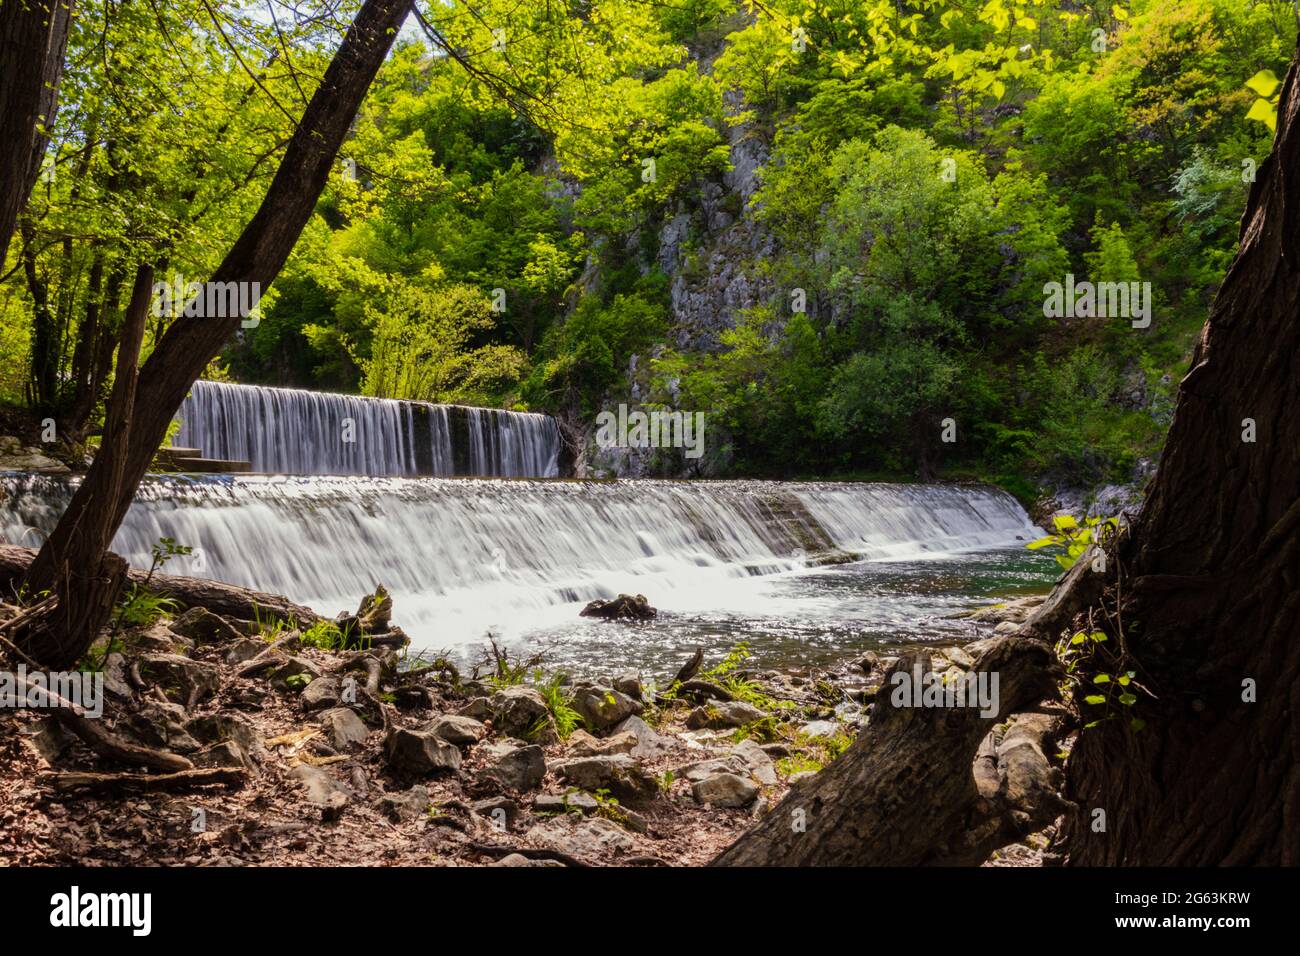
point(101, 501)
point(905, 794)
point(1200, 600)
point(1209, 582)
point(88, 577)
point(33, 36)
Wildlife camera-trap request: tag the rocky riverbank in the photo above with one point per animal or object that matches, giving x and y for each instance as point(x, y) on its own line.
point(230, 742)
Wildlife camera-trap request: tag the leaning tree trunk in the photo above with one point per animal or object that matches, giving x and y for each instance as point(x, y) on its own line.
point(100, 503)
point(33, 36)
point(1200, 600)
point(1208, 587)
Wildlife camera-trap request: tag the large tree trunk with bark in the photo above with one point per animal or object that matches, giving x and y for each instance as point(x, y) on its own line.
point(33, 37)
point(1207, 587)
point(101, 502)
point(913, 765)
point(1199, 600)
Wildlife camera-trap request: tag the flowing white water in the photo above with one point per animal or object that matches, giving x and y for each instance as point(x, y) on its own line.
point(465, 555)
point(293, 431)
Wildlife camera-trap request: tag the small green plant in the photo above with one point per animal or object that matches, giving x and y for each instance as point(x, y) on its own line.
point(1096, 679)
point(298, 681)
point(764, 729)
point(558, 702)
point(164, 551)
point(1075, 539)
point(328, 636)
point(94, 659)
point(666, 780)
point(141, 607)
point(608, 807)
point(271, 627)
point(726, 674)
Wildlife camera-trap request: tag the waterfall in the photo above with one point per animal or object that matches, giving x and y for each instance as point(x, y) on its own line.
point(462, 555)
point(294, 431)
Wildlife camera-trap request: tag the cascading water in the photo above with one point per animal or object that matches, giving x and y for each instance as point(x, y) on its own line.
point(294, 431)
point(463, 556)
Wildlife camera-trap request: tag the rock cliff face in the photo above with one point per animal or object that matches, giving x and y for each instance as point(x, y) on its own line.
point(708, 249)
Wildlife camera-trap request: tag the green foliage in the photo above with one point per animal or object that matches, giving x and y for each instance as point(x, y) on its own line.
point(163, 551)
point(328, 636)
point(1075, 540)
point(1097, 680)
point(140, 607)
point(931, 167)
point(558, 702)
point(585, 356)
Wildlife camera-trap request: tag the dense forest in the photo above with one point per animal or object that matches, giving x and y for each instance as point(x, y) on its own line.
point(1046, 245)
point(829, 226)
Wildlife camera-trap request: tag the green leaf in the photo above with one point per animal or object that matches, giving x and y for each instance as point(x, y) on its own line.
point(1265, 83)
point(1079, 638)
point(1095, 699)
point(1264, 112)
point(1065, 522)
point(1128, 700)
point(1137, 723)
point(1043, 542)
point(1101, 679)
point(1097, 636)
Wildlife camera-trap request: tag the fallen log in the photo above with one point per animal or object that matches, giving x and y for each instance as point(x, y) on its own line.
point(229, 600)
point(905, 793)
point(64, 782)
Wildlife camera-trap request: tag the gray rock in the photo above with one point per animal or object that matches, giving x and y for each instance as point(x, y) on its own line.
point(703, 769)
point(722, 715)
point(820, 728)
point(180, 678)
point(455, 729)
point(519, 712)
point(518, 859)
point(620, 774)
point(162, 725)
point(244, 649)
point(116, 682)
point(649, 742)
point(215, 728)
point(406, 805)
point(419, 751)
point(294, 667)
point(583, 744)
point(480, 708)
point(574, 801)
point(759, 763)
point(497, 809)
point(518, 768)
point(725, 790)
point(629, 685)
point(201, 625)
point(225, 754)
point(321, 693)
point(602, 707)
point(343, 728)
point(801, 775)
point(585, 840)
point(321, 788)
